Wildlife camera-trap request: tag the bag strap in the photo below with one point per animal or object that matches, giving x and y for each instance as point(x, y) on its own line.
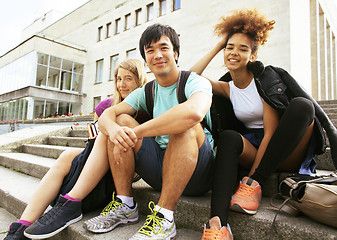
point(182, 97)
point(149, 97)
point(182, 80)
point(150, 91)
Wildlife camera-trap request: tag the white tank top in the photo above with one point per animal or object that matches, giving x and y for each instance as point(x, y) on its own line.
point(247, 105)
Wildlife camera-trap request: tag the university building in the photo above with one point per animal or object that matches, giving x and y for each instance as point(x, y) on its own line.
point(65, 64)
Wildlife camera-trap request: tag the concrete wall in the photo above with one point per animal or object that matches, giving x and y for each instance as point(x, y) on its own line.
point(194, 22)
point(75, 37)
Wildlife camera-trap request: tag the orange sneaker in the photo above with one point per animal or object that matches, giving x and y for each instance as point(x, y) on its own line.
point(248, 197)
point(214, 231)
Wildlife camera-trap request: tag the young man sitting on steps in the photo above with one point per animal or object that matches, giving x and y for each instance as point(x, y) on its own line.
point(172, 152)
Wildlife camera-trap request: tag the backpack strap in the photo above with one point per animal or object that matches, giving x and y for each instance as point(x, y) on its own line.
point(182, 80)
point(182, 97)
point(181, 85)
point(149, 97)
point(150, 91)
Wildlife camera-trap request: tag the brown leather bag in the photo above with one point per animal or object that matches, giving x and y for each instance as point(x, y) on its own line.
point(316, 197)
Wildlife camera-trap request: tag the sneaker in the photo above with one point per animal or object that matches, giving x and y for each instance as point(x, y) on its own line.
point(156, 227)
point(114, 214)
point(214, 231)
point(16, 232)
point(64, 213)
point(247, 198)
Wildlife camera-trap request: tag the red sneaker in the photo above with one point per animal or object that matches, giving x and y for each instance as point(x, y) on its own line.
point(248, 197)
point(214, 231)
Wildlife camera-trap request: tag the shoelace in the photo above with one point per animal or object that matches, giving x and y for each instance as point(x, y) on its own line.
point(49, 216)
point(111, 206)
point(151, 222)
point(213, 234)
point(245, 190)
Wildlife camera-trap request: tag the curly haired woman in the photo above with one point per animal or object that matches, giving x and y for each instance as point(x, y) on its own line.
point(281, 122)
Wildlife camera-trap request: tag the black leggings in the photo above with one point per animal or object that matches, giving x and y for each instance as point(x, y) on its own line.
point(292, 126)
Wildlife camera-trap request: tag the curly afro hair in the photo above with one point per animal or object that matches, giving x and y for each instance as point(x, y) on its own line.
point(250, 22)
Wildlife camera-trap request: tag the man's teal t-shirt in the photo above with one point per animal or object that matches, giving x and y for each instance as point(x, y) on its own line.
point(166, 98)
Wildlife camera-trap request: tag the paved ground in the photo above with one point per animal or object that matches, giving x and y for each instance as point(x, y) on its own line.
point(6, 128)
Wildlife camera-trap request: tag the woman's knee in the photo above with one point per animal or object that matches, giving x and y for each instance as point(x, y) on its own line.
point(126, 120)
point(64, 161)
point(302, 109)
point(229, 139)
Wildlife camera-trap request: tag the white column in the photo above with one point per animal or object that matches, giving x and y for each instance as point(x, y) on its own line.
point(30, 109)
point(300, 42)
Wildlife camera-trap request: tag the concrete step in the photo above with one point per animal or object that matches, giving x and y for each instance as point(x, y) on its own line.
point(327, 102)
point(76, 231)
point(49, 151)
point(324, 161)
point(79, 133)
point(17, 188)
point(29, 164)
point(191, 213)
point(68, 141)
point(5, 220)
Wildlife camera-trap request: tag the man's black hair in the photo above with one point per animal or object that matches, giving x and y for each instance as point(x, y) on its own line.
point(153, 33)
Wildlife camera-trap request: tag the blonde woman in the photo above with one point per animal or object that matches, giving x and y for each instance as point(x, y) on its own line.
point(129, 75)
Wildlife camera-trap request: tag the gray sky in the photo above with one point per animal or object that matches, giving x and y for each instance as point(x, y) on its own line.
point(18, 14)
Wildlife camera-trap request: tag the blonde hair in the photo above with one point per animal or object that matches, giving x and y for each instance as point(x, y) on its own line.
point(136, 67)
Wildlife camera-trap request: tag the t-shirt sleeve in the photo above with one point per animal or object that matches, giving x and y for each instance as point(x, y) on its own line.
point(106, 103)
point(196, 83)
point(136, 99)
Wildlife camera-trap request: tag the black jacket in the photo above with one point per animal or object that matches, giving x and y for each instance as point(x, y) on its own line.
point(277, 87)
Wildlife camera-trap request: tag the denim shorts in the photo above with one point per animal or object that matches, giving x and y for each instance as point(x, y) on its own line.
point(149, 163)
point(254, 136)
point(308, 167)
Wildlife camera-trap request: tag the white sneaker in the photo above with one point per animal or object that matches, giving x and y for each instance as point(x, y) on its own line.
point(114, 214)
point(156, 227)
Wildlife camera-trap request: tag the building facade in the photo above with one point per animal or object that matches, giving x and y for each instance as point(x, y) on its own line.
point(68, 66)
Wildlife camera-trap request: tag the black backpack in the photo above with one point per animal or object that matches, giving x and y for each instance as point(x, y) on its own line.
point(150, 93)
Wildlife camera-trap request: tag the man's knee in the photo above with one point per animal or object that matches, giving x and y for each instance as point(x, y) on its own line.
point(195, 133)
point(190, 133)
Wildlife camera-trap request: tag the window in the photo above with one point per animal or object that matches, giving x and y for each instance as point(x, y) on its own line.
point(108, 30)
point(99, 71)
point(97, 100)
point(176, 5)
point(162, 7)
point(150, 13)
point(100, 30)
point(113, 64)
point(138, 13)
point(117, 26)
point(131, 53)
point(59, 73)
point(127, 21)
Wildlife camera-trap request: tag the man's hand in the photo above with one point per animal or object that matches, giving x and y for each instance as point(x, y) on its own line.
point(124, 139)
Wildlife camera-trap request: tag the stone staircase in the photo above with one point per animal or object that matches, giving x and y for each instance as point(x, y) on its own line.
point(26, 155)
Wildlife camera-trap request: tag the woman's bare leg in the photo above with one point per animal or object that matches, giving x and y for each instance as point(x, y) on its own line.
point(49, 186)
point(94, 169)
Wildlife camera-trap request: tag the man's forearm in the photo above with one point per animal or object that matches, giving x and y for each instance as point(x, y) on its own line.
point(174, 121)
